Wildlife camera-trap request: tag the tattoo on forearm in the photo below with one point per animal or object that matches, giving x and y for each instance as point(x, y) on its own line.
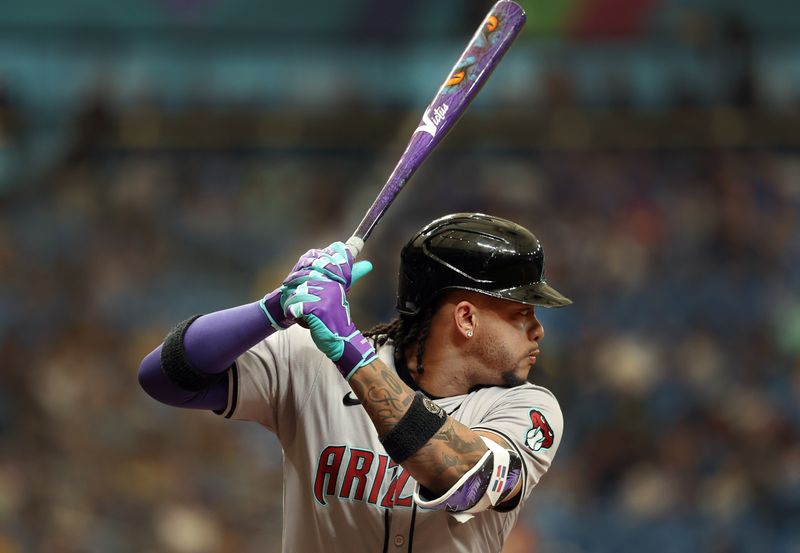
point(378, 396)
point(448, 434)
point(445, 464)
point(453, 449)
point(385, 397)
point(392, 381)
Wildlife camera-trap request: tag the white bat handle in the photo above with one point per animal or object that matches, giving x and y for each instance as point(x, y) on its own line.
point(355, 245)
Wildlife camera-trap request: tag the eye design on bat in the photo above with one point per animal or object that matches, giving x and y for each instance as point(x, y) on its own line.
point(491, 23)
point(460, 74)
point(455, 78)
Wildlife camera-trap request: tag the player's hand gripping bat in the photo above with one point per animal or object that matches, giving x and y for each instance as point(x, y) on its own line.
point(501, 25)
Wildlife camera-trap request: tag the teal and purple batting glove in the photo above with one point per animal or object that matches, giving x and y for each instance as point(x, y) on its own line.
point(323, 304)
point(334, 262)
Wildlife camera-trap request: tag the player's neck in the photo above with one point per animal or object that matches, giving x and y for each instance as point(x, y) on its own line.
point(442, 373)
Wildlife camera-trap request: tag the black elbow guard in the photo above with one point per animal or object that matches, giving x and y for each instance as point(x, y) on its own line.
point(175, 365)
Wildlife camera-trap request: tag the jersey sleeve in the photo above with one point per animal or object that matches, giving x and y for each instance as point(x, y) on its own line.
point(271, 381)
point(530, 420)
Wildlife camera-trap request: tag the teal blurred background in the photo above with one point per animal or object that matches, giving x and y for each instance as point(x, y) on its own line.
point(161, 158)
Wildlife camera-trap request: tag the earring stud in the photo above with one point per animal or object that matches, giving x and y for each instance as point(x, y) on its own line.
point(469, 334)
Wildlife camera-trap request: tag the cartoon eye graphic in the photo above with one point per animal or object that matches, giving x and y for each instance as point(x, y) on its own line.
point(491, 23)
point(455, 78)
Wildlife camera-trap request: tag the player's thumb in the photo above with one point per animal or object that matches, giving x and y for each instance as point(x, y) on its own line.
point(360, 269)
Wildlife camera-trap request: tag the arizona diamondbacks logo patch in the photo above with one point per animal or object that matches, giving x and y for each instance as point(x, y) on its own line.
point(540, 435)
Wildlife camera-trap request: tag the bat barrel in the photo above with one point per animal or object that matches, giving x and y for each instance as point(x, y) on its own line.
point(487, 47)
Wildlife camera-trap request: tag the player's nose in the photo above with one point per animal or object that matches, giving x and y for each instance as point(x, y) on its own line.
point(536, 330)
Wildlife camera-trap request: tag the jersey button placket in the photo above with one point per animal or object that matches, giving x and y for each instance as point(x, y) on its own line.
point(399, 540)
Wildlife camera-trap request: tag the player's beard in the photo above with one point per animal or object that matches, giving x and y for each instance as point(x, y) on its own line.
point(512, 380)
point(495, 356)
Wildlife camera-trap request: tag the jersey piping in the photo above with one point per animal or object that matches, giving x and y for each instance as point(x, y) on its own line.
point(233, 391)
point(411, 530)
point(385, 530)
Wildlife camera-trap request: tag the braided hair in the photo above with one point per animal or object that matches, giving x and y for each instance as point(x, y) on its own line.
point(406, 331)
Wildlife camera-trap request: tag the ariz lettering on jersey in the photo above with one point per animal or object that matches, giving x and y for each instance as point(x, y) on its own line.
point(360, 474)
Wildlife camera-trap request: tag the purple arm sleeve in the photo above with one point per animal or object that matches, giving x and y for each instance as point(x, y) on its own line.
point(211, 345)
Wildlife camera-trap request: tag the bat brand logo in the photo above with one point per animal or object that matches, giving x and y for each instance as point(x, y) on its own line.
point(430, 124)
point(540, 435)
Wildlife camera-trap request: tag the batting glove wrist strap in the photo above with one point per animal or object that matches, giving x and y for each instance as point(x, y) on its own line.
point(349, 353)
point(272, 306)
point(356, 353)
point(420, 423)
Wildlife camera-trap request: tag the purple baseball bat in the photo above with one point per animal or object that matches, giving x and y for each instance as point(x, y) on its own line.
point(498, 30)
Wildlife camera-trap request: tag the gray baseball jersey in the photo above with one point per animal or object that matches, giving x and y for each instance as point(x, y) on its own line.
point(342, 493)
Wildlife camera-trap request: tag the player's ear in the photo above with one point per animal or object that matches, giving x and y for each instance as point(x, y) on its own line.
point(465, 315)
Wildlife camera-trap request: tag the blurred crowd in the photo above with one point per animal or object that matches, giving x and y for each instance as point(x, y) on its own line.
point(676, 367)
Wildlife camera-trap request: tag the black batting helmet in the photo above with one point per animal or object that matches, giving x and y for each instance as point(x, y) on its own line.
point(477, 252)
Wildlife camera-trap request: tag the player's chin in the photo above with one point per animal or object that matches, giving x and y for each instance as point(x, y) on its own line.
point(514, 378)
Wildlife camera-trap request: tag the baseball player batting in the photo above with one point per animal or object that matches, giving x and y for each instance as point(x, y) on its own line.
point(418, 435)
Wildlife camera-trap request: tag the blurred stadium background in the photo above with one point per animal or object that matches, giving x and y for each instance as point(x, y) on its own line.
point(160, 158)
